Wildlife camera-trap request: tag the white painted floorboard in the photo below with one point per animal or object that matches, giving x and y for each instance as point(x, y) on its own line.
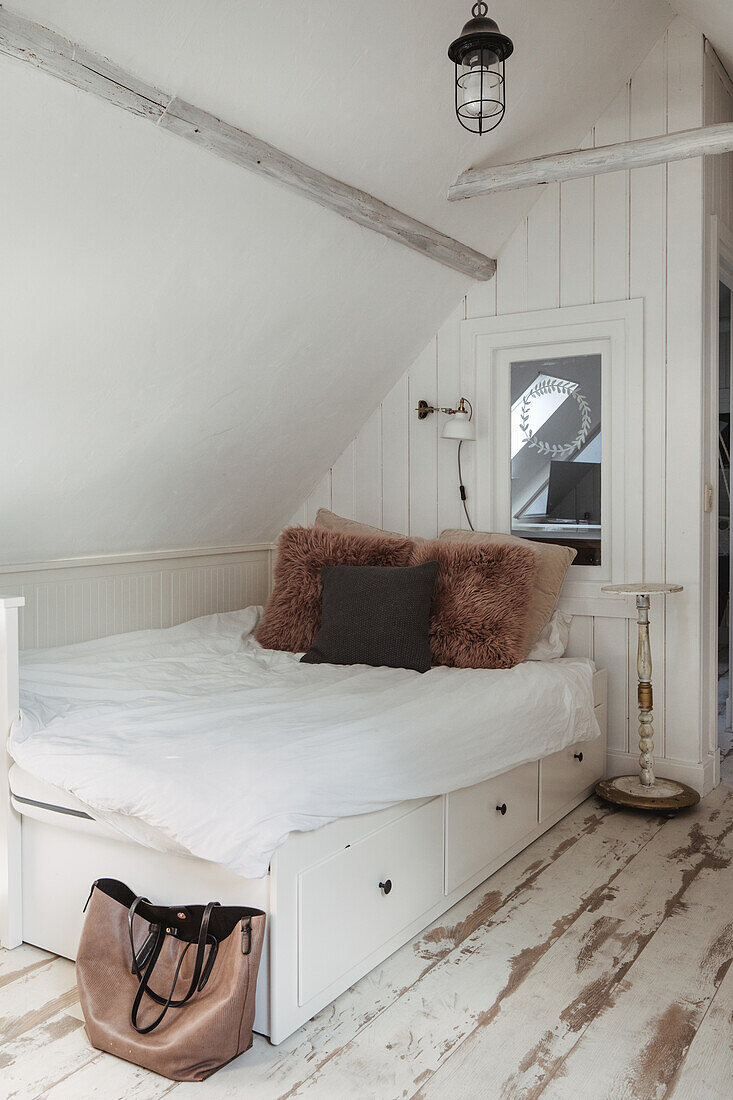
point(595, 965)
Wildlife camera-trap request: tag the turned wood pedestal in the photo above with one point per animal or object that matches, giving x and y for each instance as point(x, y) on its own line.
point(645, 791)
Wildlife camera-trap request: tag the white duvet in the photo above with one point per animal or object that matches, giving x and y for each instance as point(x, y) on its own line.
point(226, 748)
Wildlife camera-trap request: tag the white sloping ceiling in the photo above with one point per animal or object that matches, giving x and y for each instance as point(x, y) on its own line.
point(715, 19)
point(185, 348)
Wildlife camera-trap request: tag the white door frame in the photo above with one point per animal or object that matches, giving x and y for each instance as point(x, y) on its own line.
point(719, 269)
point(487, 345)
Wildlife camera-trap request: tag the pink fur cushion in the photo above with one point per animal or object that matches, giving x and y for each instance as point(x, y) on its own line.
point(292, 617)
point(481, 600)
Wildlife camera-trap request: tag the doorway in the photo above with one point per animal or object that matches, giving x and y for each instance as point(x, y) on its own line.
point(725, 618)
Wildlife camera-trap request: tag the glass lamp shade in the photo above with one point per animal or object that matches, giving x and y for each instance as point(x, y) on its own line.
point(459, 426)
point(481, 83)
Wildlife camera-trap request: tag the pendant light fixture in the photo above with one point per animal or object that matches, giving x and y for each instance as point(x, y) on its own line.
point(479, 54)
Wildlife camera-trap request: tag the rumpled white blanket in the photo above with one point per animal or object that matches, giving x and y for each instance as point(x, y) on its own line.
point(226, 747)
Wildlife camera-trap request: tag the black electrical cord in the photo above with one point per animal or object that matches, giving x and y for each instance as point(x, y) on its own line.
point(462, 487)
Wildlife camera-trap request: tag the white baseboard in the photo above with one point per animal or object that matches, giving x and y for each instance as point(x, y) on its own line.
point(702, 777)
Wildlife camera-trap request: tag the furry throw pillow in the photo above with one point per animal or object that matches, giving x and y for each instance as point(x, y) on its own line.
point(481, 600)
point(292, 617)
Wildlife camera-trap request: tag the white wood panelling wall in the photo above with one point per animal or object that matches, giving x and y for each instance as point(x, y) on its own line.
point(718, 108)
point(635, 234)
point(75, 601)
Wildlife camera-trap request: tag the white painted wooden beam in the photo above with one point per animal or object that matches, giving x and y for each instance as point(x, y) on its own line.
point(27, 41)
point(703, 141)
point(358, 206)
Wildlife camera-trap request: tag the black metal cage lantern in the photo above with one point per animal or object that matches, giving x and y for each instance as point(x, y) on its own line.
point(479, 54)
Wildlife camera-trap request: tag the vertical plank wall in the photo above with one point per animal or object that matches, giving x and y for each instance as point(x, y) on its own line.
point(718, 108)
point(635, 234)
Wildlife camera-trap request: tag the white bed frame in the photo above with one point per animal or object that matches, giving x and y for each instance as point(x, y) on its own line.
point(339, 899)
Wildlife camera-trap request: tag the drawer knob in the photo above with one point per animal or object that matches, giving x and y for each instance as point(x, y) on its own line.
point(501, 809)
point(386, 886)
point(578, 756)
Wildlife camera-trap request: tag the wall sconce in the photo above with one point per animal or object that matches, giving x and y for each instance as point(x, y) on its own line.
point(459, 426)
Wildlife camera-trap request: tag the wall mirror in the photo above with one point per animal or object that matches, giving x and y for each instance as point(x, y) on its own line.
point(556, 452)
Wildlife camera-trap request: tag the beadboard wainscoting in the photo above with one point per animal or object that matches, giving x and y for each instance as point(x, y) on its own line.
point(75, 600)
point(628, 235)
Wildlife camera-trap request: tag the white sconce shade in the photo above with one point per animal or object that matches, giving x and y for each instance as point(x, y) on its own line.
point(459, 426)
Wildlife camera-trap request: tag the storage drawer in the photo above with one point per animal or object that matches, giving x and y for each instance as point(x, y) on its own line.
point(344, 915)
point(566, 773)
point(477, 831)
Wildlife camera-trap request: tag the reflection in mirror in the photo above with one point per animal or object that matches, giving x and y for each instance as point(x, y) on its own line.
point(556, 452)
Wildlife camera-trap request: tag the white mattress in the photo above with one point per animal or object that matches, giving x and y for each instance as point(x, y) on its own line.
point(196, 736)
point(45, 802)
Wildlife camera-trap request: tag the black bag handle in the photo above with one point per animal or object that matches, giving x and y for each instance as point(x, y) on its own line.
point(198, 979)
point(140, 958)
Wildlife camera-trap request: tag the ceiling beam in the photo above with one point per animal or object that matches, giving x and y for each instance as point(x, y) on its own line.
point(51, 53)
point(704, 141)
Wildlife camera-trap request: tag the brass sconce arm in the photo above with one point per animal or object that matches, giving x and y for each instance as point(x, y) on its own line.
point(424, 409)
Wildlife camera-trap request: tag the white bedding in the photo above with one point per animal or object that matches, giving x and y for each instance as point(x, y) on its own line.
point(225, 747)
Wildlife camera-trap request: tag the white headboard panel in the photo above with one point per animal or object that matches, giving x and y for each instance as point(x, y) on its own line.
point(77, 600)
point(10, 884)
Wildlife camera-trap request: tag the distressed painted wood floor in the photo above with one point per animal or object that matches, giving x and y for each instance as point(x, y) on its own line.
point(595, 965)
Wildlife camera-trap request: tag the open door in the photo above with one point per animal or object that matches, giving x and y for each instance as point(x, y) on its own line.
point(725, 618)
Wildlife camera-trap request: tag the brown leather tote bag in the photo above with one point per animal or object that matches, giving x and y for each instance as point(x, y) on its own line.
point(171, 989)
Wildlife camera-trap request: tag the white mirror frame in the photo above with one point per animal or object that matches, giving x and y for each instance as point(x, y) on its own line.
point(615, 329)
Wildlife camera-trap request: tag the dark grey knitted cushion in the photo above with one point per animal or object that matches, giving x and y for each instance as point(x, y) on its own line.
point(375, 615)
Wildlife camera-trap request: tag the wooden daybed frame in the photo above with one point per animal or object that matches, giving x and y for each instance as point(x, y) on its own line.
point(339, 899)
